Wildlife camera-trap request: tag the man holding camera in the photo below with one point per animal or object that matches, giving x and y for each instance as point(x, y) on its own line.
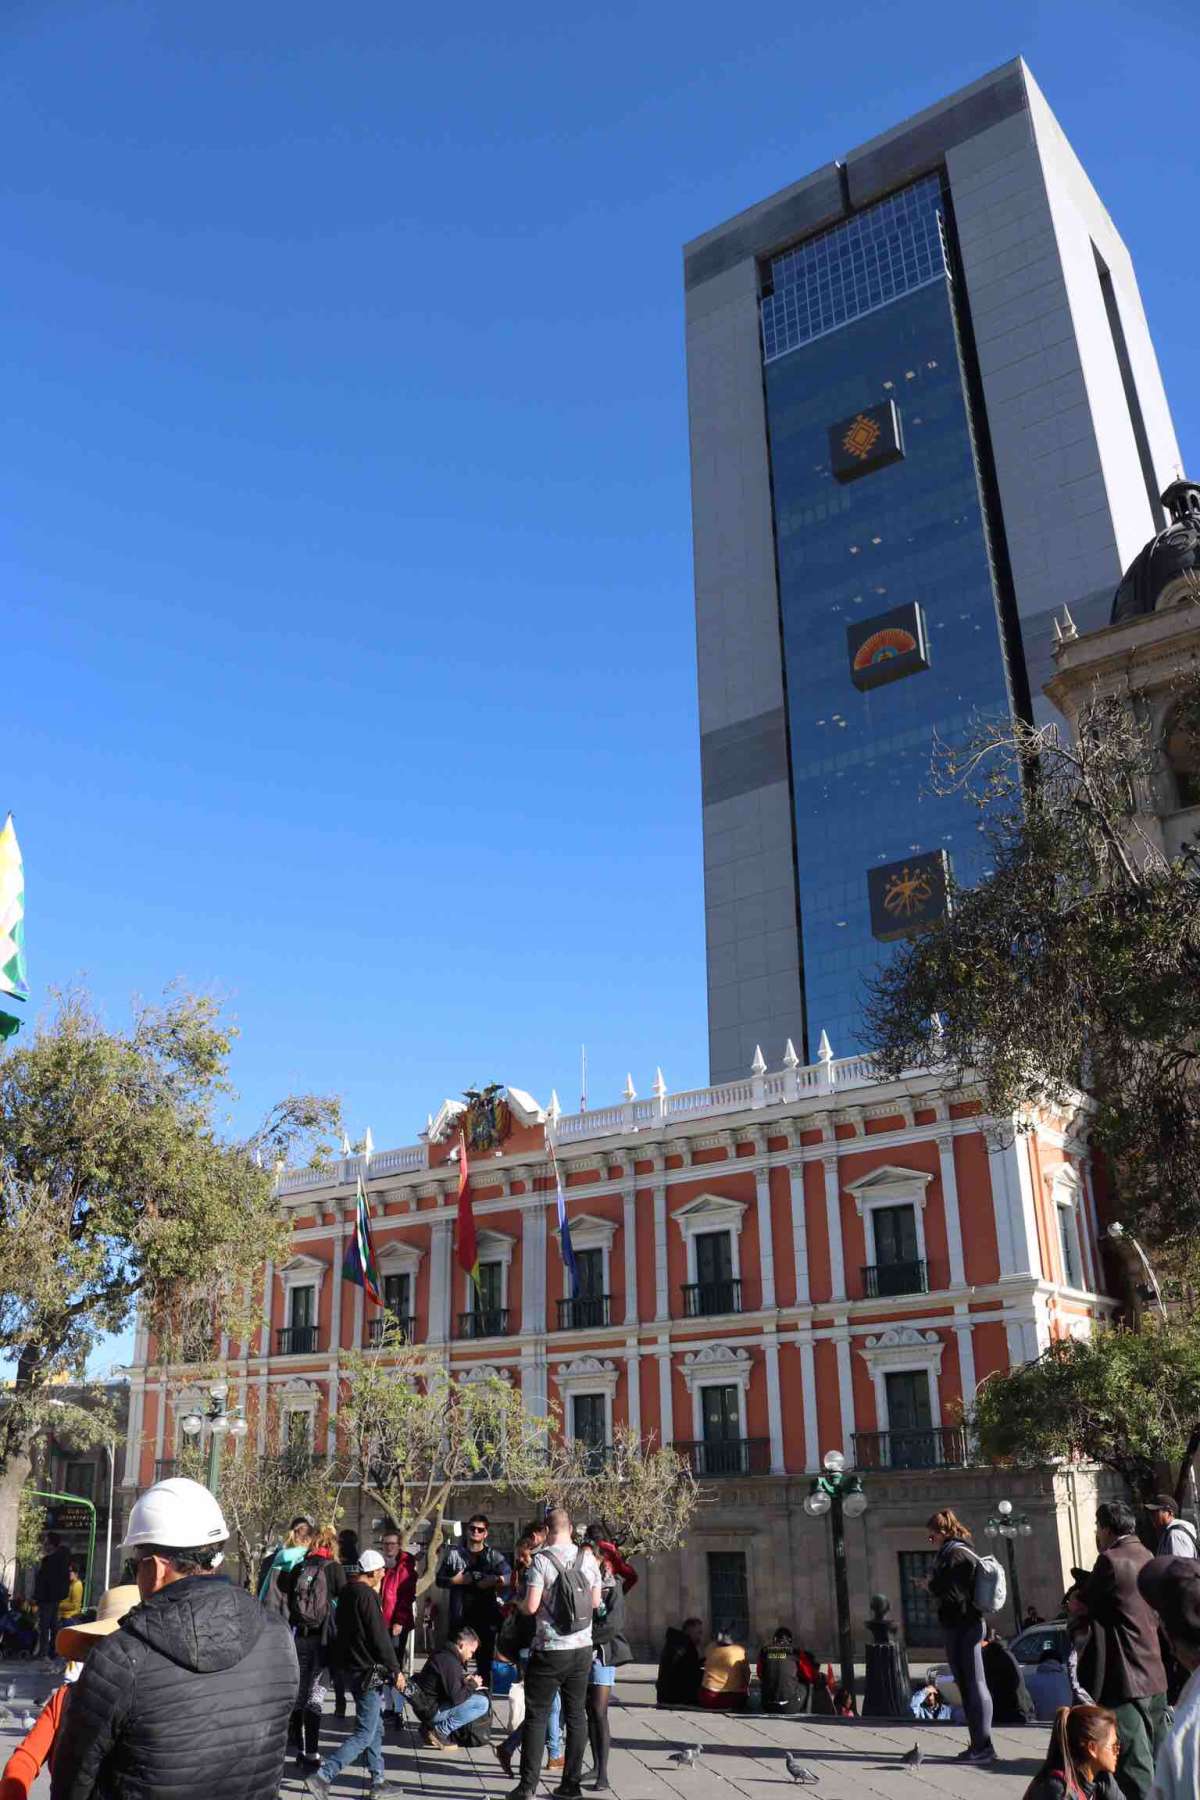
point(367, 1656)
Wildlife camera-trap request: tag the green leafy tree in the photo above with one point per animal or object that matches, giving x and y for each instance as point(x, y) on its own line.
point(1075, 964)
point(644, 1495)
point(118, 1189)
point(1129, 1400)
point(261, 1494)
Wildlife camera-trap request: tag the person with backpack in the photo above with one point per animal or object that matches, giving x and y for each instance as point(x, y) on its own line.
point(952, 1582)
point(278, 1564)
point(779, 1680)
point(562, 1593)
point(1173, 1536)
point(312, 1589)
point(444, 1697)
point(367, 1657)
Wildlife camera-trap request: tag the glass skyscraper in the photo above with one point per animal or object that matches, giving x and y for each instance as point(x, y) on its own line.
point(891, 427)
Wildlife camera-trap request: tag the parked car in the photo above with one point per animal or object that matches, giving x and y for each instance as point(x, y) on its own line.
point(1029, 1647)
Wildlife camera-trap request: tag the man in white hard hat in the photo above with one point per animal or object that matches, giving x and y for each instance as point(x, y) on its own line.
point(190, 1696)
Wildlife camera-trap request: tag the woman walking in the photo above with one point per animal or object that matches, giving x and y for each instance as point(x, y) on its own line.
point(952, 1584)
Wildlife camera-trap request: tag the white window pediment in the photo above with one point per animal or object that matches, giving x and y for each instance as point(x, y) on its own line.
point(710, 1212)
point(298, 1395)
point(495, 1246)
point(1066, 1189)
point(890, 1186)
point(717, 1365)
point(591, 1233)
point(483, 1372)
point(587, 1375)
point(903, 1347)
point(303, 1271)
point(399, 1258)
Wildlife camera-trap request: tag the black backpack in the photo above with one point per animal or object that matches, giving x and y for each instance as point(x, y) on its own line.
point(570, 1597)
point(310, 1594)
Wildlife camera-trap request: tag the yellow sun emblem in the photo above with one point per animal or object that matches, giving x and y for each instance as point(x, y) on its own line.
point(907, 892)
point(862, 435)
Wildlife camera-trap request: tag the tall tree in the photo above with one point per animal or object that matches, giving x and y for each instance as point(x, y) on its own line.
point(119, 1190)
point(1075, 963)
point(1129, 1400)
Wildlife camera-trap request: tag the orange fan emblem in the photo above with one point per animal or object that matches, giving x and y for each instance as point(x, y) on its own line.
point(861, 436)
point(907, 892)
point(881, 646)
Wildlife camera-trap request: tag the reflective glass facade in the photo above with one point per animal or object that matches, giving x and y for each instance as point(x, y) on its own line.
point(911, 531)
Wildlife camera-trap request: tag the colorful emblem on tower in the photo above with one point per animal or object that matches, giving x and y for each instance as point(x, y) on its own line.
point(868, 441)
point(887, 647)
point(907, 897)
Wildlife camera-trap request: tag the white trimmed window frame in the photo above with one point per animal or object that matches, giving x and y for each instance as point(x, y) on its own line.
point(903, 1350)
point(711, 1212)
point(717, 1366)
point(1066, 1195)
point(493, 1246)
point(301, 1272)
point(399, 1258)
point(587, 1375)
point(303, 1398)
point(891, 1186)
point(589, 1233)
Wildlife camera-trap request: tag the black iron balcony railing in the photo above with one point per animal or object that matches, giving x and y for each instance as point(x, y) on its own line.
point(582, 1314)
point(702, 1299)
point(882, 1280)
point(731, 1456)
point(295, 1340)
point(931, 1447)
point(396, 1326)
point(485, 1322)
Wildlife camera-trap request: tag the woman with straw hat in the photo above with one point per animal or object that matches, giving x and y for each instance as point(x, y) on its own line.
point(73, 1641)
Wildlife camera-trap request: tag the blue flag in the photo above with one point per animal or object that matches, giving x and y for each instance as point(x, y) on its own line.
point(564, 1230)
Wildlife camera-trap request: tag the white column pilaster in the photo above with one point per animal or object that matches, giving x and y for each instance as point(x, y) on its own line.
point(264, 1338)
point(533, 1270)
point(808, 1398)
point(774, 1406)
point(629, 1242)
point(662, 1307)
point(160, 1429)
point(964, 1335)
point(335, 1312)
point(1090, 1231)
point(954, 1243)
point(666, 1406)
point(633, 1392)
point(833, 1220)
point(131, 1474)
point(440, 1296)
point(799, 1232)
point(766, 1235)
point(846, 1397)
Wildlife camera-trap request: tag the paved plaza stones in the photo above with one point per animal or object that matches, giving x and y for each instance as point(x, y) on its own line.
point(742, 1757)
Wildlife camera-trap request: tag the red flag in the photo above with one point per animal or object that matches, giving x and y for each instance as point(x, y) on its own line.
point(467, 1244)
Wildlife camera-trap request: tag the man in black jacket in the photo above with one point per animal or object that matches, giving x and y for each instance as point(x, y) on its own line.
point(1125, 1637)
point(190, 1697)
point(50, 1587)
point(365, 1654)
point(456, 1695)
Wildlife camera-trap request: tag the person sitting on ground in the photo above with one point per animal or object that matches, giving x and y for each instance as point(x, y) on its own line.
point(365, 1654)
point(843, 1703)
point(1049, 1687)
point(1081, 1761)
point(73, 1642)
point(680, 1666)
point(725, 1681)
point(1171, 1585)
point(444, 1697)
point(779, 1676)
point(1012, 1703)
point(927, 1704)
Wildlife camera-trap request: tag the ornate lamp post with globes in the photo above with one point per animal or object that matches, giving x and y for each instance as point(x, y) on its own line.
point(1005, 1523)
point(222, 1423)
point(841, 1496)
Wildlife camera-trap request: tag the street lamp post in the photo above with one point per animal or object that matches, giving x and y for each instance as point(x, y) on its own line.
point(1007, 1524)
point(222, 1423)
point(841, 1496)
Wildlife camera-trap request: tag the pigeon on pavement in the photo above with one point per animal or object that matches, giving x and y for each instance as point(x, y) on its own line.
point(912, 1759)
point(686, 1758)
point(797, 1770)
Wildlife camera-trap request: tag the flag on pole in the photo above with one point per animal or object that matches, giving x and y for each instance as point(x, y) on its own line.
point(564, 1229)
point(12, 925)
point(360, 1265)
point(466, 1243)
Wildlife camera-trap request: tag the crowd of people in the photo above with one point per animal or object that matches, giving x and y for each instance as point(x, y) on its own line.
point(173, 1650)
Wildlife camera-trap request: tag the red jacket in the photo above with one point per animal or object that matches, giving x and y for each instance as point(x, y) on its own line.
point(399, 1592)
point(27, 1760)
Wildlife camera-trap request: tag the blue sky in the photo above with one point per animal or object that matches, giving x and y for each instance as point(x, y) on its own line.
point(347, 552)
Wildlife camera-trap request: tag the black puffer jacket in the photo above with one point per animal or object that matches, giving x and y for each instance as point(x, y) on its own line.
point(188, 1699)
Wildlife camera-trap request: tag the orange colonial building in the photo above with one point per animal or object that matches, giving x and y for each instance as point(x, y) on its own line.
point(770, 1269)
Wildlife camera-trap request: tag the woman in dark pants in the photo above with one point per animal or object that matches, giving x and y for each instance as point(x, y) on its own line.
point(952, 1584)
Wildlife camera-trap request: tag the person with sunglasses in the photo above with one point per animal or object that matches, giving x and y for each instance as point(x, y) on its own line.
point(476, 1578)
